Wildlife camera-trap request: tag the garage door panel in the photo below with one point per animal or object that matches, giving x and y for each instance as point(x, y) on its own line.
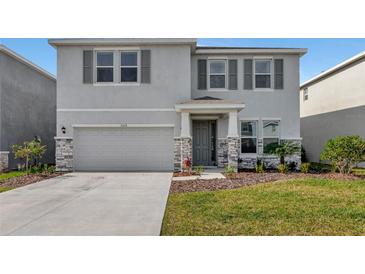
point(121, 149)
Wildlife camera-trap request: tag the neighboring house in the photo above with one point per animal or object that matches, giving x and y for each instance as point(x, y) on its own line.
point(27, 106)
point(149, 104)
point(333, 104)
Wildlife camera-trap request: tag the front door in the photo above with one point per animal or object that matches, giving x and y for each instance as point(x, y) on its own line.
point(204, 134)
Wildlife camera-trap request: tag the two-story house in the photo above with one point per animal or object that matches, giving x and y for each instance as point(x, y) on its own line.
point(333, 104)
point(27, 107)
point(149, 104)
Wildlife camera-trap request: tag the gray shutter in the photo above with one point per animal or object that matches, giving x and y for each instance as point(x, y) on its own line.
point(279, 73)
point(88, 67)
point(248, 74)
point(232, 74)
point(202, 74)
point(146, 66)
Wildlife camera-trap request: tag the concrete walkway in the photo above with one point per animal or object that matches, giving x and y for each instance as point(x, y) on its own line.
point(87, 204)
point(208, 174)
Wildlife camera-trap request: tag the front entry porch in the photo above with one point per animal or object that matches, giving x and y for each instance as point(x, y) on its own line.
point(199, 140)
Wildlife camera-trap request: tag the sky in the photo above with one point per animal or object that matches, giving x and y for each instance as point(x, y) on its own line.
point(322, 53)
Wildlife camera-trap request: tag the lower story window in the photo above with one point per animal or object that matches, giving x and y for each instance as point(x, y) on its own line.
point(249, 137)
point(270, 134)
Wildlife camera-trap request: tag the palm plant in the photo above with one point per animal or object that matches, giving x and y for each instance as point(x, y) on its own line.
point(284, 149)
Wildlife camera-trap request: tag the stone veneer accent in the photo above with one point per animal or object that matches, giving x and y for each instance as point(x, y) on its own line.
point(4, 160)
point(182, 151)
point(270, 161)
point(233, 151)
point(64, 154)
point(222, 152)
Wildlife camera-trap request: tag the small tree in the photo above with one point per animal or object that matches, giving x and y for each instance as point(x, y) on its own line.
point(344, 152)
point(37, 150)
point(284, 149)
point(32, 150)
point(24, 153)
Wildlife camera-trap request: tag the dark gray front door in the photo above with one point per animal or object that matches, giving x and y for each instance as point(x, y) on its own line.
point(204, 143)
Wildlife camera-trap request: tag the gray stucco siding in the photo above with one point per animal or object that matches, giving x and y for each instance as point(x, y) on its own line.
point(279, 104)
point(68, 119)
point(170, 82)
point(318, 129)
point(27, 107)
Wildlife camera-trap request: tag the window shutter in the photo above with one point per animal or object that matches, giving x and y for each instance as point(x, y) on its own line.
point(146, 66)
point(202, 74)
point(232, 74)
point(248, 74)
point(279, 73)
point(88, 67)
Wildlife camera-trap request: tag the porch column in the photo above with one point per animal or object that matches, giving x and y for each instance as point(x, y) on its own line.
point(233, 140)
point(185, 124)
point(183, 144)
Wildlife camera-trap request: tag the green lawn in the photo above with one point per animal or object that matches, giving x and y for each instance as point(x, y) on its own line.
point(11, 174)
point(5, 188)
point(295, 207)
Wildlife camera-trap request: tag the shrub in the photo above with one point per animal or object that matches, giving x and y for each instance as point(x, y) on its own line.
point(187, 165)
point(229, 170)
point(29, 151)
point(283, 149)
point(199, 170)
point(292, 166)
point(304, 167)
point(344, 152)
point(282, 168)
point(260, 167)
point(303, 155)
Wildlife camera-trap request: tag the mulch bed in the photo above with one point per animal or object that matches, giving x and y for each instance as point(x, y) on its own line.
point(26, 179)
point(245, 179)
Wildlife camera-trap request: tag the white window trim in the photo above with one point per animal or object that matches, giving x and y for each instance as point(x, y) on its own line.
point(263, 58)
point(96, 66)
point(247, 137)
point(270, 137)
point(138, 66)
point(305, 94)
point(225, 74)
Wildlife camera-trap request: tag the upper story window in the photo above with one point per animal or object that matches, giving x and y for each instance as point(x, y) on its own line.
point(271, 134)
point(305, 94)
point(249, 137)
point(104, 66)
point(217, 74)
point(262, 73)
point(129, 66)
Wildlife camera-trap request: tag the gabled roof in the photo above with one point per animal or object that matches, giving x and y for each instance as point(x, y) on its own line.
point(334, 69)
point(26, 62)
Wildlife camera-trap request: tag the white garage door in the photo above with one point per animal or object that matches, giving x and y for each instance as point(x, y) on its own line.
point(123, 149)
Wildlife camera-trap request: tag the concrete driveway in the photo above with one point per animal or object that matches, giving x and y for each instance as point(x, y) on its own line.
point(87, 204)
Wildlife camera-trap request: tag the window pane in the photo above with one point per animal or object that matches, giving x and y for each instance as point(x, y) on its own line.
point(105, 75)
point(217, 81)
point(263, 81)
point(248, 128)
point(271, 128)
point(129, 75)
point(248, 145)
point(217, 67)
point(105, 58)
point(129, 58)
point(270, 143)
point(262, 66)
